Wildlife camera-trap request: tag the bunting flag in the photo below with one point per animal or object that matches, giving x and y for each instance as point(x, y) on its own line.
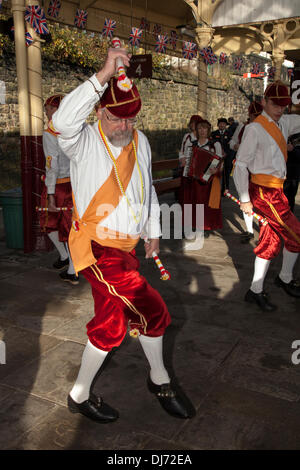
point(28, 39)
point(53, 8)
point(108, 28)
point(156, 29)
point(80, 18)
point(161, 43)
point(255, 68)
point(173, 38)
point(271, 73)
point(135, 37)
point(145, 24)
point(208, 56)
point(35, 15)
point(189, 50)
point(238, 63)
point(0, 4)
point(223, 58)
point(290, 73)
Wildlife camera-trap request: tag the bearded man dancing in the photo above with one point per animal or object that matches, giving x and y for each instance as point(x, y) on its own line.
point(115, 205)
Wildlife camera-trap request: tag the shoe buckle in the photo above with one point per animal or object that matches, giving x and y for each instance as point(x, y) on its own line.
point(166, 392)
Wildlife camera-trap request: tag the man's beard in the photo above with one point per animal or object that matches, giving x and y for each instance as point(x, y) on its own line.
point(121, 138)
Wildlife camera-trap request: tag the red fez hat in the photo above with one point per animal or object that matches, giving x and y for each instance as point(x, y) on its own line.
point(122, 104)
point(255, 108)
point(278, 93)
point(54, 100)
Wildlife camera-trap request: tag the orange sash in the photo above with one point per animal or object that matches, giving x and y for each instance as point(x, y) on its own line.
point(88, 228)
point(273, 130)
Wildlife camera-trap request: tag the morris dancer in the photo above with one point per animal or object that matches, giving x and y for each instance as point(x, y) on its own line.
point(263, 153)
point(254, 110)
point(57, 193)
point(114, 205)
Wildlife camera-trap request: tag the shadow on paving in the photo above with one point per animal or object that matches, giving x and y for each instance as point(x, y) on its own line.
point(232, 361)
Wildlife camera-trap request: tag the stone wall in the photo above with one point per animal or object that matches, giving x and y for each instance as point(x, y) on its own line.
point(169, 99)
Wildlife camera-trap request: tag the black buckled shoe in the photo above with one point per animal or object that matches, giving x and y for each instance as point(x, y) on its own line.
point(94, 408)
point(292, 288)
point(60, 264)
point(261, 300)
point(169, 400)
point(246, 237)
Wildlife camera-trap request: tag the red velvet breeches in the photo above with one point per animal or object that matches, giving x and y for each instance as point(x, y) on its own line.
point(122, 296)
point(58, 221)
point(273, 205)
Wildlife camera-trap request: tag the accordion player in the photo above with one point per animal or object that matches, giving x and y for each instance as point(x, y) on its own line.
point(204, 164)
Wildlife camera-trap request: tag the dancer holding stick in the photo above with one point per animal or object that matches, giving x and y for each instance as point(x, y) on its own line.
point(263, 153)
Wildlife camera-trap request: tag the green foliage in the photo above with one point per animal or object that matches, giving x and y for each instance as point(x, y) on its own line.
point(74, 46)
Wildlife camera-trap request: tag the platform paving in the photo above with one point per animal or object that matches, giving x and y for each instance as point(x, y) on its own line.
point(232, 361)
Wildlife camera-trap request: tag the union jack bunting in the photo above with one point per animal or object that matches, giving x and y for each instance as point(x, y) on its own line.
point(108, 28)
point(53, 8)
point(156, 29)
point(271, 72)
point(223, 58)
point(0, 4)
point(80, 18)
point(255, 68)
point(208, 56)
point(28, 39)
point(173, 38)
point(35, 15)
point(135, 36)
point(161, 43)
point(290, 73)
point(189, 50)
point(238, 63)
point(145, 24)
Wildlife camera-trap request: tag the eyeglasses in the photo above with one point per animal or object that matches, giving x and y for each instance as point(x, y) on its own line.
point(131, 121)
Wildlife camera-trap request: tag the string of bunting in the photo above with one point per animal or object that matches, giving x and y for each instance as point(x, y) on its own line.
point(35, 15)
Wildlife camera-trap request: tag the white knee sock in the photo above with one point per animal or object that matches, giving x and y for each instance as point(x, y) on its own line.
point(58, 245)
point(288, 262)
point(261, 267)
point(249, 222)
point(71, 269)
point(92, 359)
point(152, 348)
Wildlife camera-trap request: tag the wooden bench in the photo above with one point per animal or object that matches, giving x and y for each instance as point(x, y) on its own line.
point(167, 184)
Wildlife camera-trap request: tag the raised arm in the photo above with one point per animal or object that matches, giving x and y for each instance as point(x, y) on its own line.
point(70, 118)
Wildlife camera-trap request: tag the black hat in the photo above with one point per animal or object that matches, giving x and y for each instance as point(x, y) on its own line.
point(222, 120)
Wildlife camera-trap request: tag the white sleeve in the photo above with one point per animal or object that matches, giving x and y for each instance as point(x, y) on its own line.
point(246, 153)
point(235, 138)
point(293, 123)
point(152, 227)
point(186, 143)
point(70, 118)
point(218, 149)
point(50, 147)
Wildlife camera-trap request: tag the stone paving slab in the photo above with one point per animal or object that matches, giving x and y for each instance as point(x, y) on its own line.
point(19, 412)
point(238, 419)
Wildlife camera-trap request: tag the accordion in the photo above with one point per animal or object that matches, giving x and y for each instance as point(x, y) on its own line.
point(202, 162)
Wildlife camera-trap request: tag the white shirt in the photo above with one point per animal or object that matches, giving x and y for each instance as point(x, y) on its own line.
point(235, 138)
point(259, 153)
point(59, 165)
point(91, 165)
point(186, 144)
